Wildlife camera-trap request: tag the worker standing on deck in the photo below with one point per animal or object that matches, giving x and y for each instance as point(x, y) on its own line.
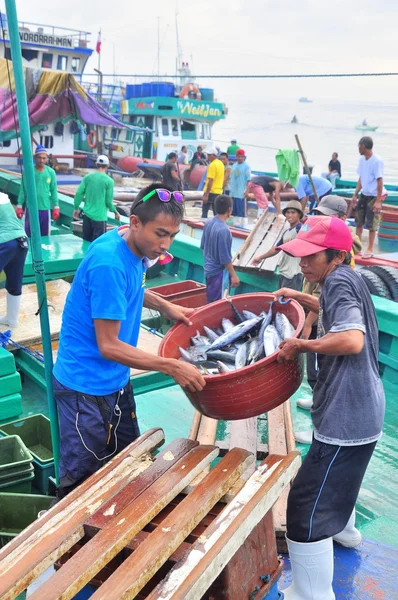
point(96, 193)
point(216, 244)
point(322, 186)
point(13, 249)
point(46, 190)
point(233, 147)
point(348, 408)
point(214, 182)
point(100, 327)
point(240, 175)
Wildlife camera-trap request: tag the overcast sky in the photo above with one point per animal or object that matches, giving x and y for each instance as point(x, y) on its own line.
point(241, 36)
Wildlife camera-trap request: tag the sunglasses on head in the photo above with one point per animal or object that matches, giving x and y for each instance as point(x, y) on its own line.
point(164, 196)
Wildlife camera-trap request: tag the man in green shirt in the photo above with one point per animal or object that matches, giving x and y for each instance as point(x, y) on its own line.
point(231, 150)
point(13, 249)
point(96, 192)
point(46, 190)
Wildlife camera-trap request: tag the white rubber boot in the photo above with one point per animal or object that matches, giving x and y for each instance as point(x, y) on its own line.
point(305, 403)
point(245, 222)
point(312, 570)
point(303, 437)
point(13, 306)
point(350, 536)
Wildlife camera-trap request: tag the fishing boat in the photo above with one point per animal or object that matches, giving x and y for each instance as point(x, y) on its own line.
point(305, 100)
point(364, 126)
point(365, 573)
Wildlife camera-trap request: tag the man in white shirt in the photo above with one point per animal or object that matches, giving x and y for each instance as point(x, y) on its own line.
point(370, 183)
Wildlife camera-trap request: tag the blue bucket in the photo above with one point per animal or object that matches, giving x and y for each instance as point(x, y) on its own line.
point(207, 94)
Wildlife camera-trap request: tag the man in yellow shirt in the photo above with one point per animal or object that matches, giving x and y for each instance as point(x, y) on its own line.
point(214, 181)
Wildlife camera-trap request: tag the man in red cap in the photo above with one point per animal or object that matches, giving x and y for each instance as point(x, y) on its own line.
point(348, 409)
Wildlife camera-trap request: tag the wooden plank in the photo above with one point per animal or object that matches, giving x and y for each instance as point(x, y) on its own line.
point(259, 228)
point(137, 569)
point(189, 579)
point(262, 238)
point(243, 434)
point(287, 413)
point(207, 430)
point(193, 432)
point(163, 462)
point(46, 539)
point(118, 532)
point(277, 445)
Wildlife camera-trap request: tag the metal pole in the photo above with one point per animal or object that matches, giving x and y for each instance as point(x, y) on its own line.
point(307, 170)
point(31, 201)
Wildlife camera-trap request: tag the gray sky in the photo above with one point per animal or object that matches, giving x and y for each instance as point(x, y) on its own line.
point(237, 36)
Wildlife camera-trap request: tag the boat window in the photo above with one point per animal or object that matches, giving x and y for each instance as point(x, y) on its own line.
point(62, 63)
point(188, 130)
point(165, 107)
point(7, 53)
point(47, 60)
point(114, 133)
point(129, 135)
point(208, 131)
point(202, 131)
point(47, 141)
point(75, 64)
point(174, 126)
point(165, 127)
point(28, 54)
point(5, 144)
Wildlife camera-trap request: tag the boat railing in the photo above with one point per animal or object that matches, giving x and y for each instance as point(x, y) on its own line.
point(79, 36)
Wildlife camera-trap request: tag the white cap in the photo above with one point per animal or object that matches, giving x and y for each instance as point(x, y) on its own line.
point(211, 150)
point(102, 160)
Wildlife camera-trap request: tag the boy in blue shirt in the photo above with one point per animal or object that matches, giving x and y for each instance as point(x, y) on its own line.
point(100, 327)
point(216, 244)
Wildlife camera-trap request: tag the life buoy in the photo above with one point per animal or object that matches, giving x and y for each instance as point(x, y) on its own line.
point(92, 139)
point(191, 91)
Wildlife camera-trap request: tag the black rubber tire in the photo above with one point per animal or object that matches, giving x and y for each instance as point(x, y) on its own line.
point(390, 277)
point(375, 284)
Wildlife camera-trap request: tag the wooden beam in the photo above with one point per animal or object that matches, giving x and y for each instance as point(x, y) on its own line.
point(190, 578)
point(139, 567)
point(119, 531)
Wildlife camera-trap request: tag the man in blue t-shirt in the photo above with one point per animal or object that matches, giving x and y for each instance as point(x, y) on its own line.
point(322, 186)
point(239, 178)
point(99, 334)
point(216, 244)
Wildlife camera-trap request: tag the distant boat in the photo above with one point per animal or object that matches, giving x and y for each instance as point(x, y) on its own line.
point(361, 127)
point(304, 99)
point(294, 119)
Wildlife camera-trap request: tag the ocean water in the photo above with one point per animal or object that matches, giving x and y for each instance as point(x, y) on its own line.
point(325, 126)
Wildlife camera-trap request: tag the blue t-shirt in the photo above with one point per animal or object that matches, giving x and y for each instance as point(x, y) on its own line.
point(109, 284)
point(304, 188)
point(240, 175)
point(216, 244)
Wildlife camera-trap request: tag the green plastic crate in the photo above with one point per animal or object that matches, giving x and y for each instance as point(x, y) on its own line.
point(42, 476)
point(35, 433)
point(18, 486)
point(7, 363)
point(17, 473)
point(13, 453)
point(17, 511)
point(10, 384)
point(10, 406)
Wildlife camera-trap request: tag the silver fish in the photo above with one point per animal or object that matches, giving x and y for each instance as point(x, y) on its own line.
point(237, 332)
point(256, 348)
point(200, 340)
point(241, 356)
point(248, 314)
point(192, 354)
point(227, 324)
point(271, 340)
point(212, 335)
point(223, 368)
point(219, 331)
point(239, 316)
point(220, 355)
point(284, 326)
point(207, 367)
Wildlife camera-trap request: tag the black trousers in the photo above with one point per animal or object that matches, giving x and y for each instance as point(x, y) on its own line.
point(92, 229)
point(312, 365)
point(210, 204)
point(325, 490)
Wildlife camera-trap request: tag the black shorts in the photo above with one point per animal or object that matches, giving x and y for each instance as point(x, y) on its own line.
point(325, 490)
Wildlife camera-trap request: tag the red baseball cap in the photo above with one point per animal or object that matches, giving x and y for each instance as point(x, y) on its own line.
point(240, 152)
point(318, 234)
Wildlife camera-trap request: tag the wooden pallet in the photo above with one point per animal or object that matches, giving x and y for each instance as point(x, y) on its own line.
point(140, 530)
point(263, 237)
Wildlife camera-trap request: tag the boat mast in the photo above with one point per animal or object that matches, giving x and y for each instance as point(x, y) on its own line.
point(31, 201)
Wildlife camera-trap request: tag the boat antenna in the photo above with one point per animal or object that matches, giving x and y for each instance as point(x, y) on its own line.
point(179, 50)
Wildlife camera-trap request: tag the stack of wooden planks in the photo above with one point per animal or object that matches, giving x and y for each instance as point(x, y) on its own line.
point(138, 529)
point(265, 234)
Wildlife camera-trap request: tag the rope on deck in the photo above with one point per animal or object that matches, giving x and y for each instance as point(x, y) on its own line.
point(5, 340)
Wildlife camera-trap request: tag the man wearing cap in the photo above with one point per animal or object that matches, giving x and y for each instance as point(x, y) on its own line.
point(231, 150)
point(322, 186)
point(46, 190)
point(289, 267)
point(96, 193)
point(373, 193)
point(328, 206)
point(348, 409)
point(240, 176)
point(214, 182)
